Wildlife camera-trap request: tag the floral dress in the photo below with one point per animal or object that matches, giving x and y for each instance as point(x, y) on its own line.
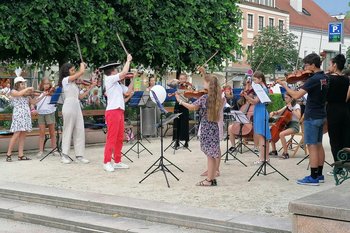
point(209, 130)
point(21, 118)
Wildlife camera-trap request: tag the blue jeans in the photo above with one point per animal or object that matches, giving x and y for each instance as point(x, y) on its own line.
point(313, 131)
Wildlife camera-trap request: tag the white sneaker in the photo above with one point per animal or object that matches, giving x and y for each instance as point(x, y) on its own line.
point(120, 165)
point(108, 167)
point(39, 154)
point(65, 159)
point(56, 153)
point(82, 159)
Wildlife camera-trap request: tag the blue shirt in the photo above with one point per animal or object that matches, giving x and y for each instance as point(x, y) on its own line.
point(316, 87)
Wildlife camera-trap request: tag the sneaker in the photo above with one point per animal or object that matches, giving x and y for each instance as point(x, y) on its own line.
point(108, 167)
point(320, 179)
point(65, 159)
point(120, 165)
point(256, 150)
point(273, 153)
point(56, 153)
point(82, 159)
point(232, 149)
point(308, 180)
point(284, 156)
point(40, 154)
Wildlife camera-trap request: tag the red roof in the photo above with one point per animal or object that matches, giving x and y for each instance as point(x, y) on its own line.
point(318, 18)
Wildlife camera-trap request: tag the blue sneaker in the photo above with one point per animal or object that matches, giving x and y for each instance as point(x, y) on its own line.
point(308, 180)
point(320, 179)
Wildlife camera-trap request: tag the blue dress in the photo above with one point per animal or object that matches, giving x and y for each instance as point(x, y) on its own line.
point(261, 119)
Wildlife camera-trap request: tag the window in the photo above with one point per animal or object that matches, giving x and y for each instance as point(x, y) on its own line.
point(271, 22)
point(238, 56)
point(280, 25)
point(249, 49)
point(250, 21)
point(261, 23)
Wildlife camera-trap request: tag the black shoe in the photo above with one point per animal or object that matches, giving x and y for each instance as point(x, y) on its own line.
point(186, 144)
point(232, 149)
point(273, 153)
point(176, 145)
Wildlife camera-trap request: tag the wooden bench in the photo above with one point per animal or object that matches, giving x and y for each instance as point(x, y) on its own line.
point(341, 170)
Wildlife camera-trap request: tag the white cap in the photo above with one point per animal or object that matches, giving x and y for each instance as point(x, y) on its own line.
point(19, 79)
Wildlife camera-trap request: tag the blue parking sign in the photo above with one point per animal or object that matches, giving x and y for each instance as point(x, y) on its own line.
point(335, 32)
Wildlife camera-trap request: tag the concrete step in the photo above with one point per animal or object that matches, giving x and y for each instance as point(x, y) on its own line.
point(80, 221)
point(165, 213)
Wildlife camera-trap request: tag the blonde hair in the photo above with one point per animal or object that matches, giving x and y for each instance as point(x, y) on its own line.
point(214, 101)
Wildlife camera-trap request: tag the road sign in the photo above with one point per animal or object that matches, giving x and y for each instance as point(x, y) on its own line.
point(335, 32)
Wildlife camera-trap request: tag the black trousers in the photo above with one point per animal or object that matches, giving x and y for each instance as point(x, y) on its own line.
point(338, 119)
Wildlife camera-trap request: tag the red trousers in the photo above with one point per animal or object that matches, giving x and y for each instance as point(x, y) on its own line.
point(115, 135)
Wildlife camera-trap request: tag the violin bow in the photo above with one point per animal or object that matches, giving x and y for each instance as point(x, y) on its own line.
point(122, 44)
point(212, 56)
point(78, 45)
point(301, 38)
point(267, 52)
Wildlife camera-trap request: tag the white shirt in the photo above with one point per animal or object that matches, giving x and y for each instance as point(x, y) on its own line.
point(114, 92)
point(296, 106)
point(44, 106)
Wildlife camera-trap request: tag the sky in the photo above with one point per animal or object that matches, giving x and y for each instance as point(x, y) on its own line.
point(334, 6)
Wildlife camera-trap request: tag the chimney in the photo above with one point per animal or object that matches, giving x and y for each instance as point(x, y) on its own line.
point(297, 5)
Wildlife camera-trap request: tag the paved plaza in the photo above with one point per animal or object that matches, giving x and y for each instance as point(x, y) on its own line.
point(264, 195)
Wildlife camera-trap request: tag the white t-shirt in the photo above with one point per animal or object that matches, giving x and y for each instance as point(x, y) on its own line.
point(44, 106)
point(114, 92)
point(296, 106)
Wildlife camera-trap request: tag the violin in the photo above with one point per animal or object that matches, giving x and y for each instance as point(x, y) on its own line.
point(185, 86)
point(195, 94)
point(298, 75)
point(129, 75)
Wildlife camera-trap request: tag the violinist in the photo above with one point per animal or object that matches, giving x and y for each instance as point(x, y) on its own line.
point(151, 83)
point(21, 116)
point(181, 124)
point(230, 98)
point(338, 114)
point(291, 128)
point(259, 119)
point(314, 116)
point(46, 115)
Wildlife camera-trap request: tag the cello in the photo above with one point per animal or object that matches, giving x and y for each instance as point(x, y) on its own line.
point(280, 124)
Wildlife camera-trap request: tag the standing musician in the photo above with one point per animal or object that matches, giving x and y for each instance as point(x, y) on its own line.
point(314, 116)
point(181, 124)
point(291, 128)
point(115, 114)
point(338, 113)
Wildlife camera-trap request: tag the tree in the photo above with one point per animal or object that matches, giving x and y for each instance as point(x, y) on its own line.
point(273, 49)
point(161, 34)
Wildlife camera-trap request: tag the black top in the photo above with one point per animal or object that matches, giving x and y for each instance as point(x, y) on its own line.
point(316, 87)
point(337, 88)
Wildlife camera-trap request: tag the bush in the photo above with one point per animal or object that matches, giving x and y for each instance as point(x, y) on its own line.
point(276, 102)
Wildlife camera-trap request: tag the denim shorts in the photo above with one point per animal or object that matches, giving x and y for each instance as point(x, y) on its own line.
point(313, 131)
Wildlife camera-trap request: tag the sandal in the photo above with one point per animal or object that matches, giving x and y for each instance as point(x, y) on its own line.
point(8, 158)
point(208, 183)
point(284, 156)
point(23, 157)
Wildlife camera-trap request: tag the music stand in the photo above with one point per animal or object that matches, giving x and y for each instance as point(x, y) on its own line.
point(56, 99)
point(242, 119)
point(138, 99)
point(264, 99)
point(159, 163)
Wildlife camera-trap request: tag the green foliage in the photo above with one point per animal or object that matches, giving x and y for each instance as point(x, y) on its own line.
point(160, 34)
point(276, 102)
point(272, 48)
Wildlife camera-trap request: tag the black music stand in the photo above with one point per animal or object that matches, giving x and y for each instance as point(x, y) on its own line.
point(228, 152)
point(159, 163)
point(138, 99)
point(263, 97)
point(56, 100)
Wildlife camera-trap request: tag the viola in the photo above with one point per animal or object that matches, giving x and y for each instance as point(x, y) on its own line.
point(245, 130)
point(195, 94)
point(280, 124)
point(299, 75)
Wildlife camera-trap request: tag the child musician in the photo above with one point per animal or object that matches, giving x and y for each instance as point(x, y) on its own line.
point(260, 119)
point(115, 114)
point(21, 116)
point(210, 107)
point(291, 128)
point(73, 121)
point(46, 116)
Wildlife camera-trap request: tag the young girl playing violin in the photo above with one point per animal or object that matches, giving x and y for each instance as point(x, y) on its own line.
point(46, 115)
point(21, 117)
point(210, 108)
point(260, 124)
point(291, 128)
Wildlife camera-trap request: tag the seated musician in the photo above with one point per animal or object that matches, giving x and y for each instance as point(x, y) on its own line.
point(291, 128)
point(230, 98)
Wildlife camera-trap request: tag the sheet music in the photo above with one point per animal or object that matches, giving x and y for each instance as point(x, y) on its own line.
point(240, 117)
point(260, 92)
